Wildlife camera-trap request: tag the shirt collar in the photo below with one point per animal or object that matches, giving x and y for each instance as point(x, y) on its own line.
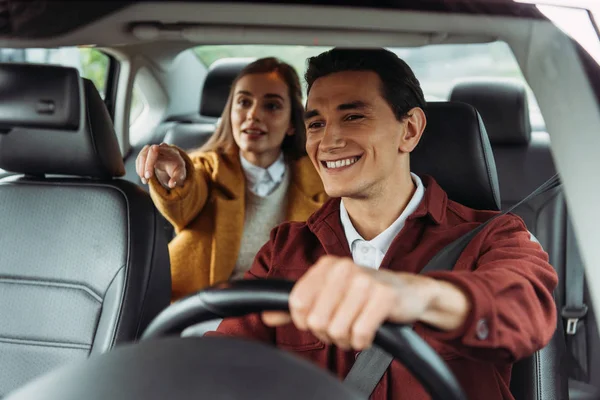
point(383, 241)
point(256, 174)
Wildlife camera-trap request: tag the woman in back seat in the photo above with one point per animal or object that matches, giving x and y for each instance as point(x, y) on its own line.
point(253, 174)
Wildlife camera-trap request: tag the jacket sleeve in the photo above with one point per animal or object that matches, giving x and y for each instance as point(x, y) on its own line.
point(513, 313)
point(251, 326)
point(181, 205)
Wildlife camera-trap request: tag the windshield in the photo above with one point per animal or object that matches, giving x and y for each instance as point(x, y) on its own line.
point(438, 67)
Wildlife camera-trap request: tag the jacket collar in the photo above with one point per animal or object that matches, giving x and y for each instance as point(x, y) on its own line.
point(326, 224)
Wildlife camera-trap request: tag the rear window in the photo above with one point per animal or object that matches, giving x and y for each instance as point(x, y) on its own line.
point(438, 67)
point(91, 63)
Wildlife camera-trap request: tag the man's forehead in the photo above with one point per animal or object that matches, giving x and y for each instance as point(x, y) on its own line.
point(344, 87)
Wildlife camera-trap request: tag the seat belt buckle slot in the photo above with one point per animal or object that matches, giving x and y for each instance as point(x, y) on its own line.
point(573, 315)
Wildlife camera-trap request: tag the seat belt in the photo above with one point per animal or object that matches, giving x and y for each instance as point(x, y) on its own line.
point(575, 310)
point(371, 364)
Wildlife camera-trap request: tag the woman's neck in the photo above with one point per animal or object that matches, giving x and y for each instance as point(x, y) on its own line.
point(262, 160)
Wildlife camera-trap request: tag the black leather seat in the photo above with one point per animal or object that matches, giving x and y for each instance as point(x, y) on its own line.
point(456, 136)
point(524, 162)
point(83, 261)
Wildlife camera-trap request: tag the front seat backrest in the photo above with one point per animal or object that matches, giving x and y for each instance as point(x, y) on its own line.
point(83, 263)
point(524, 162)
point(455, 150)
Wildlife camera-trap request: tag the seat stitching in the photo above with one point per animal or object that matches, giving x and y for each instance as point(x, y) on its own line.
point(45, 343)
point(67, 285)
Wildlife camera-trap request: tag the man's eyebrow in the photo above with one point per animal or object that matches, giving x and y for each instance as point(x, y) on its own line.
point(311, 114)
point(354, 105)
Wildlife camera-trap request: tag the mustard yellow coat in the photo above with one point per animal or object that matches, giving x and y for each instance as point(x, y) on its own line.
point(208, 215)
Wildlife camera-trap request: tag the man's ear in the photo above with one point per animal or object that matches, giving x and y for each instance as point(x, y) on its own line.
point(414, 124)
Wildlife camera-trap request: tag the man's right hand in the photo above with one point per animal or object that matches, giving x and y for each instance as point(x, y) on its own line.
point(164, 161)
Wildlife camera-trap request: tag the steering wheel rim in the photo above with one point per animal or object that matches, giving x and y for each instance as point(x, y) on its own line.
point(239, 298)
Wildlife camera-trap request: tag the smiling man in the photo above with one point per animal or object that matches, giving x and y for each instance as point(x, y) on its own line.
point(357, 260)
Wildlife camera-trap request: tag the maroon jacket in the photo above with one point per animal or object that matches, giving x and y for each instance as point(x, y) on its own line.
point(505, 274)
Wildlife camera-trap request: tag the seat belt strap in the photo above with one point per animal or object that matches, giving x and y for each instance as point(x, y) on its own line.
point(575, 310)
point(371, 364)
point(368, 369)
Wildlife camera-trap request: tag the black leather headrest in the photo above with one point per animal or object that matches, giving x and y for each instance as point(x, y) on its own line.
point(455, 150)
point(54, 122)
point(503, 106)
point(217, 84)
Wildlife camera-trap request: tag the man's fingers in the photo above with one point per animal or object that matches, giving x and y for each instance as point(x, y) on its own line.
point(153, 154)
point(276, 318)
point(306, 291)
point(375, 312)
point(355, 298)
point(325, 306)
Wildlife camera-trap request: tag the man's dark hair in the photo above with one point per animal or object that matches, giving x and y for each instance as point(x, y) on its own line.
point(400, 88)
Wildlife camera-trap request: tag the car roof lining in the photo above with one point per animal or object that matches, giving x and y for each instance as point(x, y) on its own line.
point(225, 21)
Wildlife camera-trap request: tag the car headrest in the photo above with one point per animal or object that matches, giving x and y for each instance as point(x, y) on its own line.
point(217, 84)
point(456, 152)
point(54, 122)
point(503, 107)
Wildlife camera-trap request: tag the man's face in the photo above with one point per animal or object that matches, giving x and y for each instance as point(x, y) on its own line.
point(353, 137)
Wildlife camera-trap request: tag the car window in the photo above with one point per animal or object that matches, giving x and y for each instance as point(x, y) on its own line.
point(91, 63)
point(438, 67)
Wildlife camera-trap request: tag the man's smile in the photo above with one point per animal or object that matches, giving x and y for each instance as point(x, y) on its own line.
point(340, 162)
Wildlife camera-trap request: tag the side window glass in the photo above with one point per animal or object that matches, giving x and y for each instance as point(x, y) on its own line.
point(94, 66)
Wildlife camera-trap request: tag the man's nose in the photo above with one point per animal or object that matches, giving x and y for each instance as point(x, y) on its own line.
point(332, 139)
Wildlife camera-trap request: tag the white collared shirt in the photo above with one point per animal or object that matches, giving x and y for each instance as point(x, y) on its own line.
point(263, 181)
point(370, 253)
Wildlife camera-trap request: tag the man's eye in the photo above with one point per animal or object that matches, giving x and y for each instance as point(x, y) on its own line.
point(354, 117)
point(315, 125)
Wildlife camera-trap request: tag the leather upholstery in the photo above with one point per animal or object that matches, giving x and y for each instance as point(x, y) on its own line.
point(53, 122)
point(453, 130)
point(189, 136)
point(217, 84)
point(518, 153)
point(503, 107)
point(84, 262)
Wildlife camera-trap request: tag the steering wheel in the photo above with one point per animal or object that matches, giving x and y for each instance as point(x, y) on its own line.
point(227, 367)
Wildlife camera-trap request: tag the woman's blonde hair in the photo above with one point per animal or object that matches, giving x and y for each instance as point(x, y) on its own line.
point(293, 147)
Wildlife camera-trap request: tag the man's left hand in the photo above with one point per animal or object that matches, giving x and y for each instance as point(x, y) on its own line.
point(344, 304)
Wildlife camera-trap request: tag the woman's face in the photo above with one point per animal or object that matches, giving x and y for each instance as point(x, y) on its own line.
point(261, 117)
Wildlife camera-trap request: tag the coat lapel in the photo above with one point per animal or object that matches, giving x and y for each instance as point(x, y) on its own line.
point(305, 196)
point(228, 195)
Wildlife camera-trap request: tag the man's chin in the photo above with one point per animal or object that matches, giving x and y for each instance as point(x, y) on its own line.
point(336, 191)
